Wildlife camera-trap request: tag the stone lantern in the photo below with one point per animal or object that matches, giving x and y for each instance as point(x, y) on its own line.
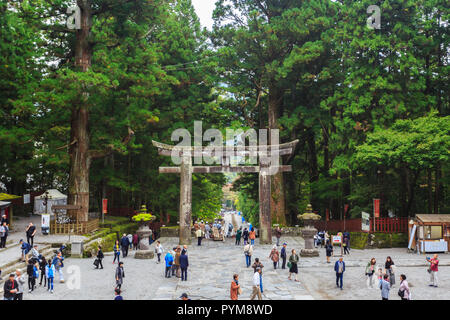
point(144, 233)
point(308, 232)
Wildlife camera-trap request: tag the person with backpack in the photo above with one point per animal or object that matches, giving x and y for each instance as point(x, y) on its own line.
point(42, 265)
point(59, 265)
point(116, 252)
point(169, 261)
point(120, 274)
point(248, 251)
point(100, 257)
point(50, 273)
point(404, 291)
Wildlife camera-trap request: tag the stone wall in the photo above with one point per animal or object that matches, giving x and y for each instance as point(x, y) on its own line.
point(289, 231)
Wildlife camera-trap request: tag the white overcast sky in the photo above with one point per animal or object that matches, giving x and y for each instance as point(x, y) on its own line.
point(204, 10)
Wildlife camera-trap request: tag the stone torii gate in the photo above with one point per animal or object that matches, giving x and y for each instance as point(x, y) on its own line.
point(186, 169)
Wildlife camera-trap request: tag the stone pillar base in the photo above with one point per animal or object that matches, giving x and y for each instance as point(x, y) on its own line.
point(309, 253)
point(144, 254)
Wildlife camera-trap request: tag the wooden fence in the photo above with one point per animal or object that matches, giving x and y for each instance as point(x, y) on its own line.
point(74, 228)
point(384, 225)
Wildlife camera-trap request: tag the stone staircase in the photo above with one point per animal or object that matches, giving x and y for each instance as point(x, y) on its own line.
point(10, 267)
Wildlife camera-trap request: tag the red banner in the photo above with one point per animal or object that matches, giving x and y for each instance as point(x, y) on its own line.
point(376, 208)
point(345, 210)
point(105, 206)
point(327, 214)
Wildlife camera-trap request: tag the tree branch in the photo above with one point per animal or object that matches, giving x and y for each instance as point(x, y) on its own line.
point(95, 154)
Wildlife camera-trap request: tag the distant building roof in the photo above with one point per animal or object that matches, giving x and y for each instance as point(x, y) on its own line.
point(5, 196)
point(429, 218)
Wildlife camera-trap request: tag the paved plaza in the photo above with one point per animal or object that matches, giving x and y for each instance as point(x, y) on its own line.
point(213, 264)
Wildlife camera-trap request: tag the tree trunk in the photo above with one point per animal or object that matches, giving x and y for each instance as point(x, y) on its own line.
point(313, 167)
point(79, 131)
point(277, 199)
point(437, 188)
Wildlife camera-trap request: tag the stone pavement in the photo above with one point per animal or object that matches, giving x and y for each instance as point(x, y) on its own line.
point(213, 264)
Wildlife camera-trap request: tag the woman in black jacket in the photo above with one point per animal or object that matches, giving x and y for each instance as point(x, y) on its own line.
point(245, 236)
point(390, 270)
point(42, 264)
point(100, 257)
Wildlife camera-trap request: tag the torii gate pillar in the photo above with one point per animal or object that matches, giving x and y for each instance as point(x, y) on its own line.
point(185, 200)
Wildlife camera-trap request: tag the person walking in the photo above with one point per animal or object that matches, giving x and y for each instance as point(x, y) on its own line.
point(256, 285)
point(235, 289)
point(30, 273)
point(120, 274)
point(385, 287)
point(339, 268)
point(116, 250)
point(328, 250)
point(278, 235)
point(20, 284)
point(346, 245)
point(58, 261)
point(158, 250)
point(136, 241)
point(283, 255)
point(50, 273)
point(433, 270)
point(207, 230)
point(169, 261)
point(252, 236)
point(370, 271)
point(42, 265)
point(130, 241)
point(389, 270)
point(125, 244)
point(248, 251)
point(404, 291)
point(238, 236)
point(100, 257)
point(293, 265)
point(4, 230)
point(30, 232)
point(184, 264)
point(177, 262)
point(198, 234)
point(10, 288)
point(274, 256)
point(245, 236)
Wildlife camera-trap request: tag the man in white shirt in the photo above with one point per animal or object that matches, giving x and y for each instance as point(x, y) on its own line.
point(256, 285)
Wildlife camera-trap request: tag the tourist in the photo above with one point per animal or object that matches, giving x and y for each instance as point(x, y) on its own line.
point(117, 293)
point(245, 236)
point(58, 261)
point(35, 273)
point(158, 250)
point(385, 287)
point(339, 268)
point(252, 236)
point(173, 268)
point(257, 264)
point(230, 230)
point(30, 273)
point(100, 257)
point(125, 244)
point(10, 288)
point(328, 250)
point(184, 264)
point(130, 241)
point(370, 271)
point(169, 261)
point(207, 230)
point(42, 265)
point(177, 262)
point(293, 265)
point(248, 251)
point(135, 241)
point(346, 245)
point(50, 273)
point(283, 255)
point(20, 284)
point(326, 236)
point(25, 247)
point(433, 270)
point(4, 230)
point(274, 256)
point(116, 250)
point(184, 251)
point(4, 219)
point(151, 237)
point(184, 297)
point(235, 289)
point(404, 291)
point(347, 239)
point(256, 285)
point(30, 232)
point(278, 235)
point(120, 274)
point(198, 234)
point(389, 270)
point(380, 275)
point(35, 253)
point(238, 236)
